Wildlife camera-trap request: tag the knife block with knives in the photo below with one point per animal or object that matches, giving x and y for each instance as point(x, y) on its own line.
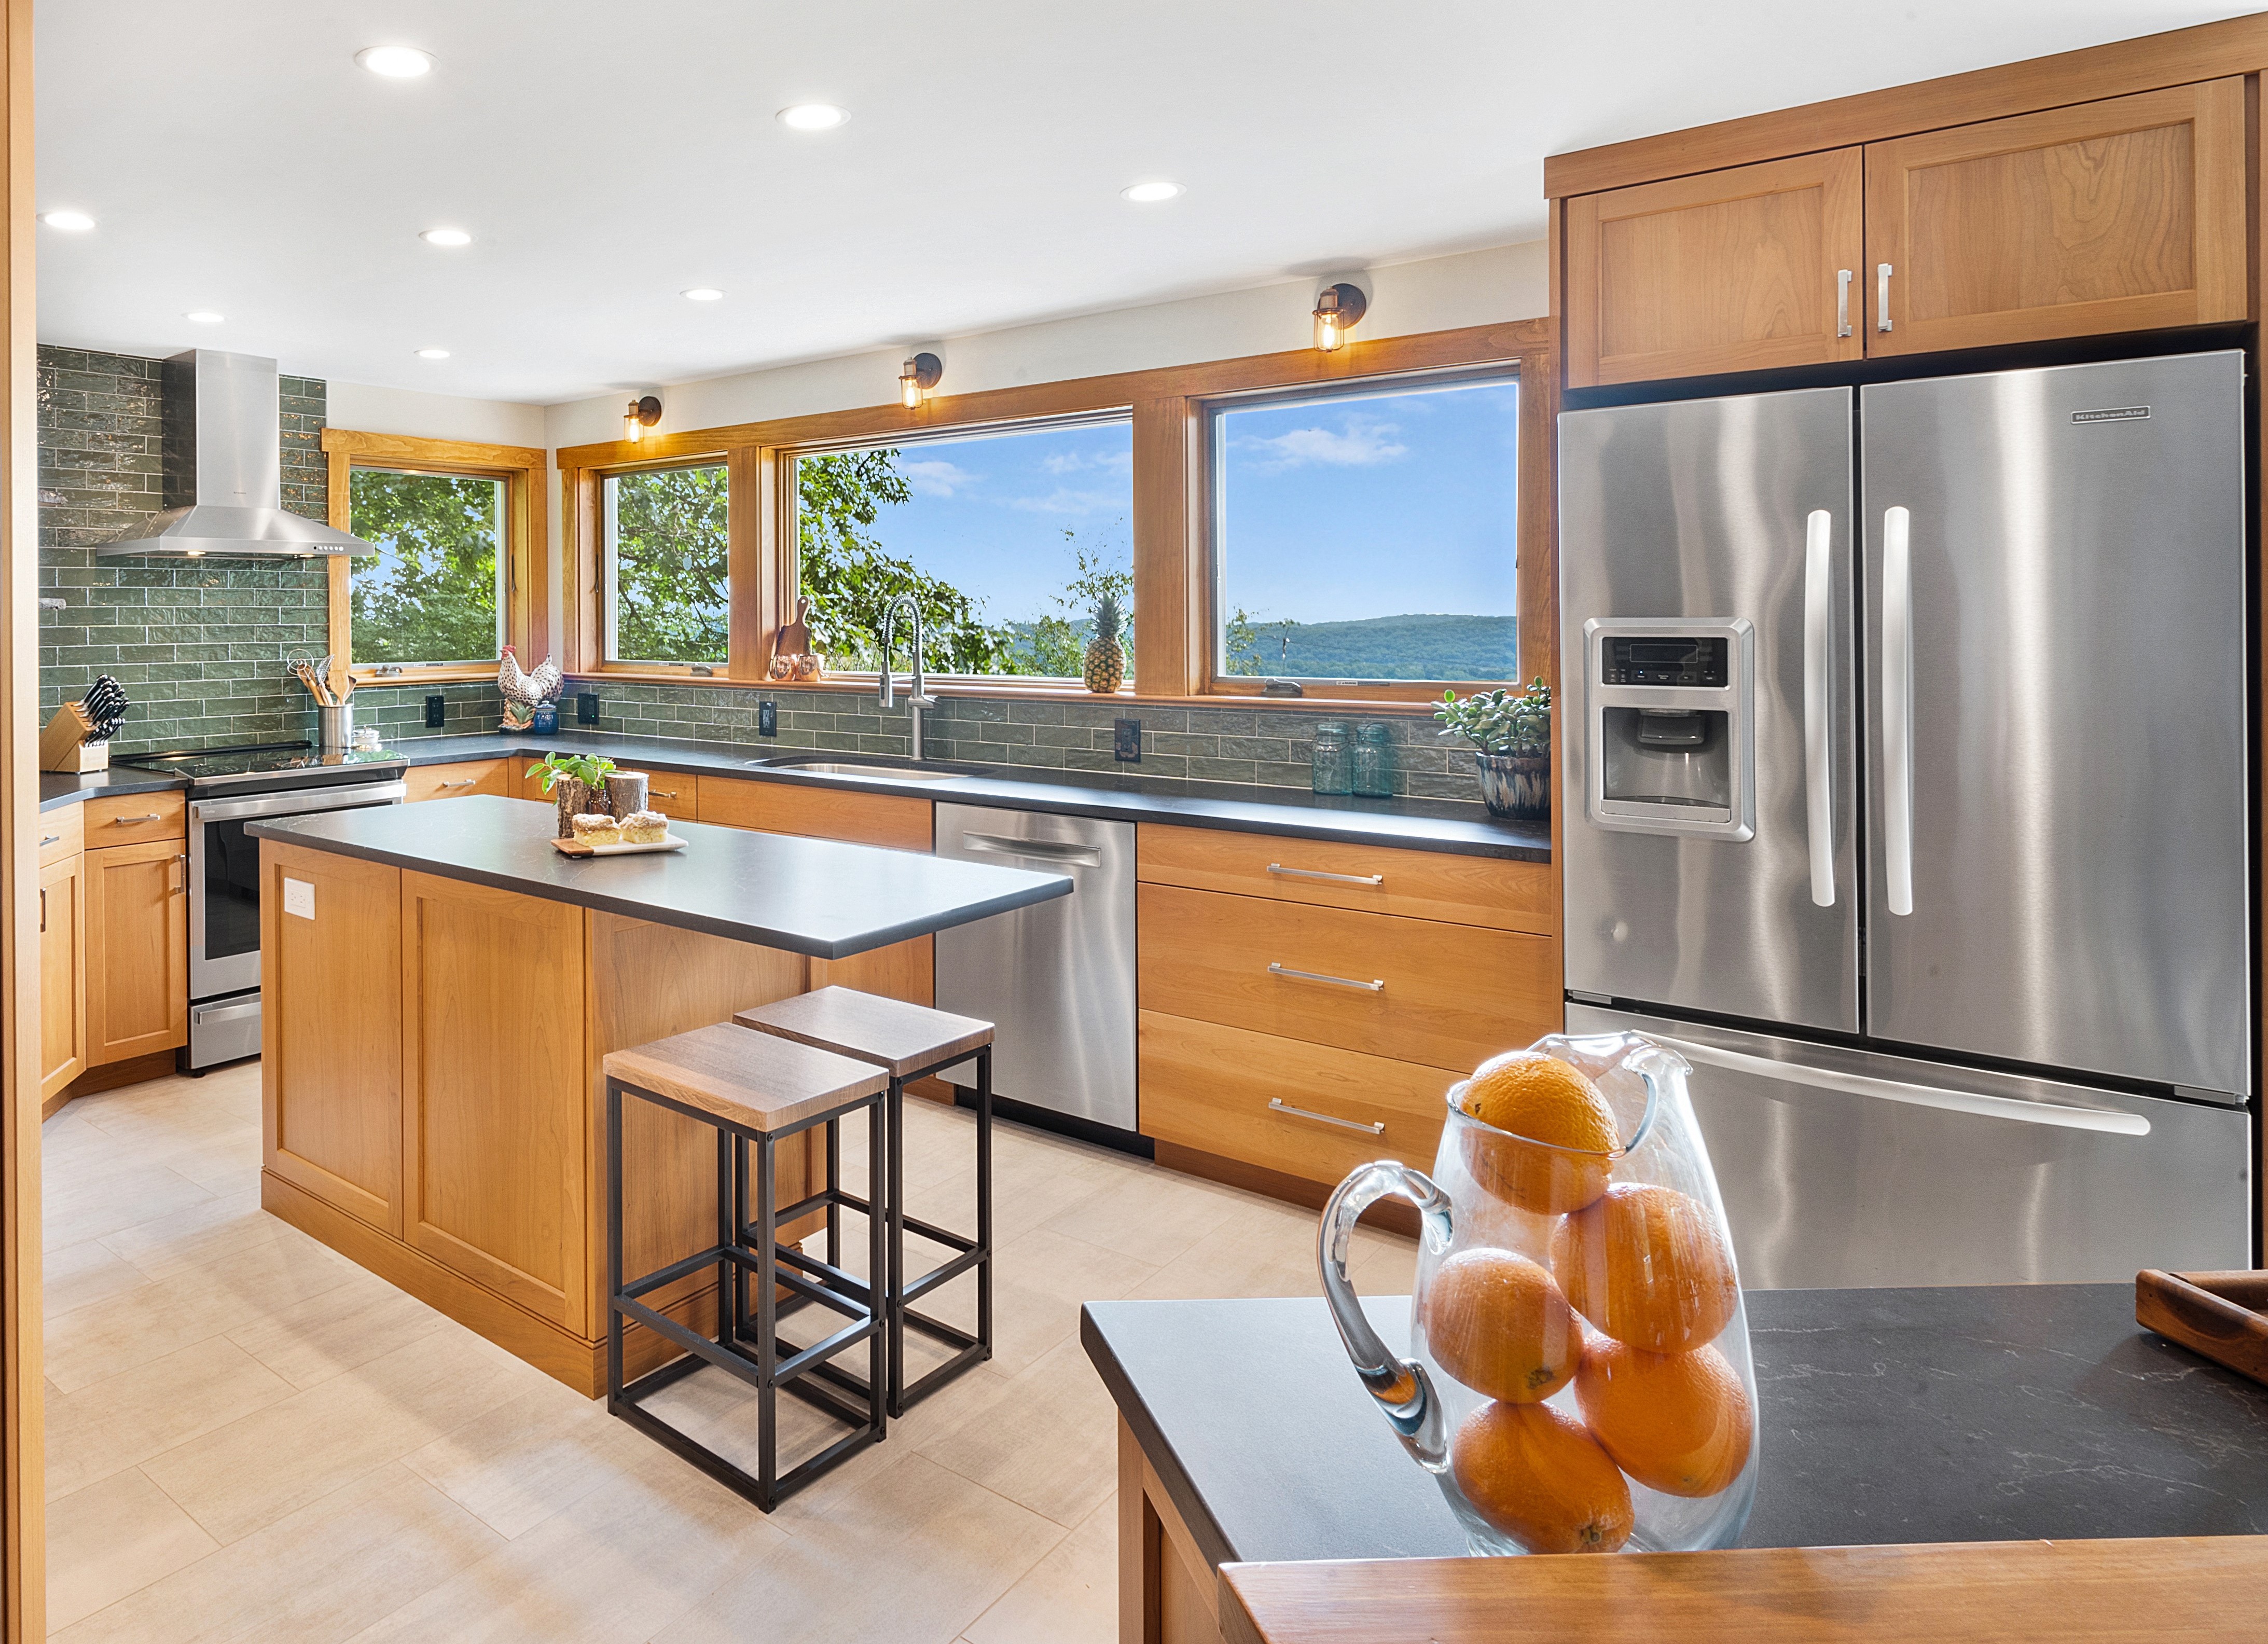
point(78, 739)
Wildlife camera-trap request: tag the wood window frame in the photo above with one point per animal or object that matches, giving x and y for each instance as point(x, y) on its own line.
point(526, 548)
point(1172, 550)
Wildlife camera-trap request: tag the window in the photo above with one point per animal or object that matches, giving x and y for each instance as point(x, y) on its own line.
point(434, 592)
point(666, 592)
point(1007, 540)
point(1369, 536)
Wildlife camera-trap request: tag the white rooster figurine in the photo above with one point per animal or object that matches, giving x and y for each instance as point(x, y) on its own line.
point(524, 693)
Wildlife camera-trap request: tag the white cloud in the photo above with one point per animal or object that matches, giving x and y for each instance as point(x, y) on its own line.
point(1359, 442)
point(1063, 499)
point(937, 478)
point(1073, 462)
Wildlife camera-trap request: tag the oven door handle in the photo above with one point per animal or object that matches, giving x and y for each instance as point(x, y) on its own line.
point(298, 801)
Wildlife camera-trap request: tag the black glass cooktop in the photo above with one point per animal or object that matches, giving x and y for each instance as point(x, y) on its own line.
point(264, 759)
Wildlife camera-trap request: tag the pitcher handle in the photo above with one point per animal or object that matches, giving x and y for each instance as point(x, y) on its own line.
point(1402, 1388)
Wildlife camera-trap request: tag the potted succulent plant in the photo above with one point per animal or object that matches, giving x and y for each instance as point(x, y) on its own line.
point(577, 783)
point(1512, 735)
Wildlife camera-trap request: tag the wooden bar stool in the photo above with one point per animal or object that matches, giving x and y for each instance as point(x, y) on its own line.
point(908, 1042)
point(763, 1091)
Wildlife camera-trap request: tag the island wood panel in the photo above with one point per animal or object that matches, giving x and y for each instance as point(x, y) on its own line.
point(1992, 1592)
point(1455, 994)
point(1208, 1087)
point(1735, 270)
point(495, 1103)
point(135, 819)
point(646, 982)
point(1167, 1593)
point(458, 779)
point(63, 973)
point(2125, 215)
point(1331, 874)
point(137, 950)
point(330, 1031)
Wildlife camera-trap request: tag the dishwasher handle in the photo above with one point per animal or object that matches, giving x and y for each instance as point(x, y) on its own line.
point(1033, 850)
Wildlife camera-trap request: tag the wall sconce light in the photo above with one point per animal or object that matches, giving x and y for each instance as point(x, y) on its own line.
point(1337, 311)
point(922, 373)
point(639, 416)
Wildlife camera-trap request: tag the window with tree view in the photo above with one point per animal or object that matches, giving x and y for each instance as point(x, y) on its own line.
point(1008, 542)
point(664, 566)
point(1370, 536)
point(433, 591)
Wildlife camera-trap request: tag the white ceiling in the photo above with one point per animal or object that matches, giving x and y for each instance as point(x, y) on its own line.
point(607, 154)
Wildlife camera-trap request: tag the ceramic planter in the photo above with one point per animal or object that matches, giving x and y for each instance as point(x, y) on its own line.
point(1517, 784)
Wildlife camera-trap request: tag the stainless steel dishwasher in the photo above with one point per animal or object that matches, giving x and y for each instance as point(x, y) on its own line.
point(1056, 980)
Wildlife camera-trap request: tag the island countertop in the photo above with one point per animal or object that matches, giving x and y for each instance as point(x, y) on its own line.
point(811, 896)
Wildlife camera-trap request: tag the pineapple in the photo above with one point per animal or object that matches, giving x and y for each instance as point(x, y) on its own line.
point(1105, 658)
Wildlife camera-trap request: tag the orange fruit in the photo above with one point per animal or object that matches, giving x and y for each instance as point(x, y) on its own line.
point(1679, 1422)
point(1559, 1139)
point(1537, 1475)
point(1497, 1322)
point(1647, 1265)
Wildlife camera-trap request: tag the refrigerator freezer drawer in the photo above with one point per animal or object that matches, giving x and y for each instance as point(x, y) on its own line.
point(1852, 1170)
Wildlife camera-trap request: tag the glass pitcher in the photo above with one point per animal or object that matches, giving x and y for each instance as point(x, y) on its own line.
point(1578, 1378)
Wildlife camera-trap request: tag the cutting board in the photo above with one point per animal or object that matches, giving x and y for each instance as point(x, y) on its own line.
point(2222, 1315)
point(576, 847)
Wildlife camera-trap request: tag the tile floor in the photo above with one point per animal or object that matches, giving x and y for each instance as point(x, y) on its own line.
point(250, 1438)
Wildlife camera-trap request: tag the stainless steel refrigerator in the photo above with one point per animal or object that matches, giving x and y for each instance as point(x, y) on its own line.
point(1907, 732)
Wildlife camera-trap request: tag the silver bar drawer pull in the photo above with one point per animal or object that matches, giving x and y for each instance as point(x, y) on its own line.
point(1277, 1104)
point(1336, 879)
point(1842, 302)
point(1882, 297)
point(467, 783)
point(1275, 969)
point(128, 821)
point(48, 839)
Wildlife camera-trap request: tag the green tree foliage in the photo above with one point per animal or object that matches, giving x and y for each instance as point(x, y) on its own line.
point(1055, 645)
point(1255, 646)
point(431, 595)
point(669, 564)
point(849, 578)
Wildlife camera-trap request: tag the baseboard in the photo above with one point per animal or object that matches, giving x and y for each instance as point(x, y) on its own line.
point(1391, 1215)
point(134, 1070)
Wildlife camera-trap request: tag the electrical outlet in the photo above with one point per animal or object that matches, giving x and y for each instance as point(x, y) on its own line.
point(1126, 740)
point(436, 710)
point(586, 707)
point(767, 719)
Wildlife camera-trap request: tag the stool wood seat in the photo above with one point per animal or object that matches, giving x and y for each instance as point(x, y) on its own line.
point(888, 1033)
point(761, 1083)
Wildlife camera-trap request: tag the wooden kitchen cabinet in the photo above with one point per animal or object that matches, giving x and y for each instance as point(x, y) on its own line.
point(137, 950)
point(1742, 269)
point(2123, 215)
point(63, 970)
point(455, 780)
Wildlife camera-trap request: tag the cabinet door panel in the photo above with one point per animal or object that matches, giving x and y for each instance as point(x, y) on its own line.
point(1734, 271)
point(455, 780)
point(63, 961)
point(493, 1108)
point(2125, 215)
point(137, 950)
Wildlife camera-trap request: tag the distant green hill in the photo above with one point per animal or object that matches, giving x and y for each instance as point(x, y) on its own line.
point(1394, 647)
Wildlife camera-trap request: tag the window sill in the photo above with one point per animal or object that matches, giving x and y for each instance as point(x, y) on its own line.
point(420, 674)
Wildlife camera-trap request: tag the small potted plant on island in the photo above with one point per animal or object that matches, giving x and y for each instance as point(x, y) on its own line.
point(578, 784)
point(1512, 736)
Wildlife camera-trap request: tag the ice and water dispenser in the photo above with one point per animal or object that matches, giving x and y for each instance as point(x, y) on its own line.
point(1672, 734)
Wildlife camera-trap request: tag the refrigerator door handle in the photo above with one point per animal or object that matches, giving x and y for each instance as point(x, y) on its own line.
point(1819, 701)
point(2103, 1122)
point(1897, 711)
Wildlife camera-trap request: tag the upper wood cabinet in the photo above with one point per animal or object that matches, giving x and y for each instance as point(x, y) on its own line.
point(1742, 269)
point(2125, 215)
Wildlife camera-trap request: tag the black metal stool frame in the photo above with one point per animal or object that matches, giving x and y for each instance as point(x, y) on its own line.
point(970, 1350)
point(776, 1367)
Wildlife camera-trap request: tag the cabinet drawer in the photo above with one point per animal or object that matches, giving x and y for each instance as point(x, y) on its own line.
point(454, 781)
point(673, 794)
point(1305, 1110)
point(135, 819)
point(61, 830)
point(883, 819)
point(1409, 990)
point(1376, 879)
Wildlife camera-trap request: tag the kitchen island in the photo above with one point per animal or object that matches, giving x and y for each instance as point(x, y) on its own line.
point(440, 988)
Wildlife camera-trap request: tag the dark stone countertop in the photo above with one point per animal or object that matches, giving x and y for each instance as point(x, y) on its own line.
point(1982, 1413)
point(58, 788)
point(1419, 824)
point(806, 895)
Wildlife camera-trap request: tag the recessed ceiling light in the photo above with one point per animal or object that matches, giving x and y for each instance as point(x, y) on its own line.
point(1151, 193)
point(432, 353)
point(446, 237)
point(395, 63)
point(702, 294)
point(70, 222)
point(204, 316)
point(813, 116)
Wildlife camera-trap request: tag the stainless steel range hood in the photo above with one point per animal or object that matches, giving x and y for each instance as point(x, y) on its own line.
point(223, 470)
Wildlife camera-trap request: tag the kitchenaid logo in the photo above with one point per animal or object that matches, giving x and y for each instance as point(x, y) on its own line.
point(2115, 414)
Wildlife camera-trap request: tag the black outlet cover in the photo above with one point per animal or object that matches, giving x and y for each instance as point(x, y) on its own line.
point(436, 711)
point(767, 719)
point(1126, 740)
point(586, 707)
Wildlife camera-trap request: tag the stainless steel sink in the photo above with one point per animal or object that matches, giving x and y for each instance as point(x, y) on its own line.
point(852, 768)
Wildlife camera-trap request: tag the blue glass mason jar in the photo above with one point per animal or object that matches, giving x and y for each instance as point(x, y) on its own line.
point(1334, 759)
point(1374, 761)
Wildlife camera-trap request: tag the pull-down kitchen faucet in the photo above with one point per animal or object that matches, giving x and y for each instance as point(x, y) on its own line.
point(918, 697)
